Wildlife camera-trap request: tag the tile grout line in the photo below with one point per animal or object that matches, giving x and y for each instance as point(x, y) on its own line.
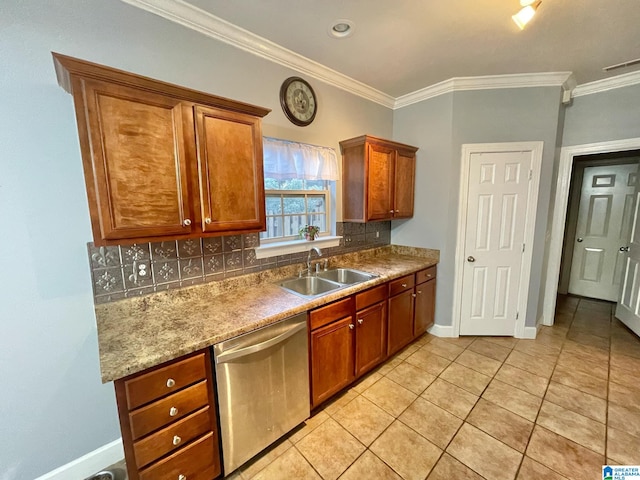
point(535, 422)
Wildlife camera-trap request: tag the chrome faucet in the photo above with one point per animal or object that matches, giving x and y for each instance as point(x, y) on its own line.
point(318, 251)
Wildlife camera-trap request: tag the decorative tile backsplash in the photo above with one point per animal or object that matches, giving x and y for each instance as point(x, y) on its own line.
point(131, 270)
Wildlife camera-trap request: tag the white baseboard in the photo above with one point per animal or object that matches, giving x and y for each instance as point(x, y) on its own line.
point(442, 330)
point(530, 332)
point(88, 464)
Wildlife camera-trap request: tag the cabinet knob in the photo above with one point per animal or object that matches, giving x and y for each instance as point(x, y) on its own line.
point(419, 292)
point(182, 477)
point(176, 440)
point(351, 326)
point(171, 383)
point(392, 211)
point(360, 321)
point(428, 275)
point(173, 411)
point(207, 221)
point(413, 295)
point(404, 285)
point(186, 222)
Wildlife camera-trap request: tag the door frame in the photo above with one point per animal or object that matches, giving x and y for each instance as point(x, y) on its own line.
point(560, 206)
point(536, 149)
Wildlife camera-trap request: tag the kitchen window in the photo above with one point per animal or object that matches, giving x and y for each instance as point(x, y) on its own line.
point(292, 204)
point(299, 189)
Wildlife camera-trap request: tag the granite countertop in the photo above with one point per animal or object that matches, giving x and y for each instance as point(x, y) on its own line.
point(138, 333)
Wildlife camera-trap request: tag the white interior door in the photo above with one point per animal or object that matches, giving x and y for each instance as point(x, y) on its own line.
point(496, 212)
point(628, 307)
point(604, 221)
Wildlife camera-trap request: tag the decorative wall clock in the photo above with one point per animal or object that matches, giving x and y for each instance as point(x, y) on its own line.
point(298, 101)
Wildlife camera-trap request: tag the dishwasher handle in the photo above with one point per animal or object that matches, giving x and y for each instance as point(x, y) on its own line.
point(233, 354)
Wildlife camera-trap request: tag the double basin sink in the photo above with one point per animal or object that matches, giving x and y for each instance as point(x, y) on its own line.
point(325, 282)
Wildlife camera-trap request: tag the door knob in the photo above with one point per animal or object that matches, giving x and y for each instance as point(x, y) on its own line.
point(470, 259)
point(624, 249)
point(579, 240)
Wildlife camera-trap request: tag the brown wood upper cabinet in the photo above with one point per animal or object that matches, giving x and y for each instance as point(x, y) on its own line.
point(378, 179)
point(163, 161)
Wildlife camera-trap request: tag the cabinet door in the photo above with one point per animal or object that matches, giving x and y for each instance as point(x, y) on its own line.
point(380, 182)
point(229, 149)
point(400, 320)
point(134, 161)
point(371, 339)
point(404, 182)
point(331, 359)
point(425, 307)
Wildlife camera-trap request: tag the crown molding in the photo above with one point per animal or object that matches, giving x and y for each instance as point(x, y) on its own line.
point(619, 81)
point(489, 82)
point(189, 16)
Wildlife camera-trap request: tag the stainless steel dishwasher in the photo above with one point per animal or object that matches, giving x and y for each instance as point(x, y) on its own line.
point(263, 387)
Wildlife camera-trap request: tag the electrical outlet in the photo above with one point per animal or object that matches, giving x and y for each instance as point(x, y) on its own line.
point(142, 270)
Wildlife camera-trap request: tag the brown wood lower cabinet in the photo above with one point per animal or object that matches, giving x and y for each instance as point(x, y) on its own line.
point(425, 303)
point(401, 310)
point(168, 421)
point(346, 343)
point(371, 329)
point(331, 359)
point(411, 307)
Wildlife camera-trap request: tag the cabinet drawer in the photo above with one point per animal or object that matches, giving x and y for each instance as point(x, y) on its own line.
point(173, 437)
point(167, 410)
point(371, 296)
point(401, 284)
point(426, 275)
point(153, 385)
point(335, 311)
point(191, 462)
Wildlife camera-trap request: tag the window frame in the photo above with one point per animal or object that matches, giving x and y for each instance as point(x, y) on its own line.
point(326, 193)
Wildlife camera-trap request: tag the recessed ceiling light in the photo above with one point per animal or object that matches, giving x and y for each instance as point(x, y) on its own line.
point(341, 28)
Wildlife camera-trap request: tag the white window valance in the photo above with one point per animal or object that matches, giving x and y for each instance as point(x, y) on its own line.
point(285, 160)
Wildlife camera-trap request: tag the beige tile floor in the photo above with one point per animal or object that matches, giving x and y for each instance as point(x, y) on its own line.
point(557, 407)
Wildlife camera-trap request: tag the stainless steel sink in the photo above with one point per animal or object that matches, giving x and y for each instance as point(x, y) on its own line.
point(346, 276)
point(324, 282)
point(310, 286)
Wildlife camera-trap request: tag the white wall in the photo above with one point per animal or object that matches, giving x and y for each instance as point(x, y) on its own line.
point(442, 125)
point(54, 408)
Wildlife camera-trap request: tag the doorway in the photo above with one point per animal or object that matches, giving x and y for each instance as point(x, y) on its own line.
point(496, 219)
point(560, 208)
point(597, 230)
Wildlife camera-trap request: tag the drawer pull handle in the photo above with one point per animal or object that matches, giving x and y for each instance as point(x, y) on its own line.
point(419, 291)
point(182, 477)
point(171, 383)
point(428, 275)
point(176, 440)
point(404, 285)
point(360, 321)
point(173, 411)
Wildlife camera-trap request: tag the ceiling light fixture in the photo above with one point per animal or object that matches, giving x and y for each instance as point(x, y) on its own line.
point(527, 12)
point(341, 29)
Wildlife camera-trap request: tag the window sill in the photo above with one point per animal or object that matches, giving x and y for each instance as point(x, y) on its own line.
point(295, 246)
